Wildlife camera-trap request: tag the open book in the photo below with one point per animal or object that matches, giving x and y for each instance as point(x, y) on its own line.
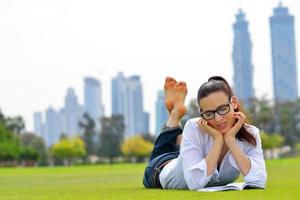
point(232, 186)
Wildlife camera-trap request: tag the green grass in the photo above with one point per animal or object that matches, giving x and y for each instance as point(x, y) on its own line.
point(123, 181)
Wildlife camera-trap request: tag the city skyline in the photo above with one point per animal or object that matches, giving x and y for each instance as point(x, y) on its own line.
point(65, 120)
point(242, 60)
point(93, 100)
point(127, 93)
point(56, 47)
point(127, 100)
point(285, 83)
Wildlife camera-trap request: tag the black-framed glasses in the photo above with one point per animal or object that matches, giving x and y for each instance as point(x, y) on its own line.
point(222, 110)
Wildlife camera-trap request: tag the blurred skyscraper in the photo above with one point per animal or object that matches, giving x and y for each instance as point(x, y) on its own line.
point(93, 100)
point(241, 56)
point(38, 124)
point(161, 112)
point(146, 126)
point(118, 93)
point(285, 84)
point(52, 126)
point(71, 114)
point(57, 122)
point(127, 100)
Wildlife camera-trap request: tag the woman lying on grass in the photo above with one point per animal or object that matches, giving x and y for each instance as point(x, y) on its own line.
point(214, 148)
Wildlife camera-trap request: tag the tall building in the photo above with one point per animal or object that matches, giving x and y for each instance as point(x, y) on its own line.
point(65, 121)
point(161, 112)
point(71, 114)
point(285, 84)
point(146, 126)
point(38, 124)
point(118, 89)
point(136, 112)
point(127, 100)
point(52, 126)
point(93, 100)
point(241, 56)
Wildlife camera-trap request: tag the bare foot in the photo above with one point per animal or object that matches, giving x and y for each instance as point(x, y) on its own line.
point(169, 93)
point(180, 93)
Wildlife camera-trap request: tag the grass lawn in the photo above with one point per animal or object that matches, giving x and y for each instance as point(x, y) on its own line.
point(123, 181)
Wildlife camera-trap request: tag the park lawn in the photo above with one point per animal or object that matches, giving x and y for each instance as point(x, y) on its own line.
point(124, 181)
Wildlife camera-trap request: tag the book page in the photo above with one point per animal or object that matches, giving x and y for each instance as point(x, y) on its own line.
point(212, 189)
point(230, 186)
point(238, 186)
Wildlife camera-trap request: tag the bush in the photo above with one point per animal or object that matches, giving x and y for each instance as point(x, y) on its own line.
point(136, 146)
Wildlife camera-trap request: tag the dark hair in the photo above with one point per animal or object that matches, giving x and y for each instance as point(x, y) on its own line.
point(218, 83)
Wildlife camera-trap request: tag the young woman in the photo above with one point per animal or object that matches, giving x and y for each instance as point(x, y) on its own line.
point(215, 148)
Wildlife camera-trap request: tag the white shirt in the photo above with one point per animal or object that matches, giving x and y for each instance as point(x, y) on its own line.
point(189, 170)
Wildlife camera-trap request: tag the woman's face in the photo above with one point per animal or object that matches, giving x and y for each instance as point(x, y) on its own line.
point(215, 103)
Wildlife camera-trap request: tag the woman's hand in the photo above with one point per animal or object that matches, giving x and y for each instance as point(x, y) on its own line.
point(214, 133)
point(231, 133)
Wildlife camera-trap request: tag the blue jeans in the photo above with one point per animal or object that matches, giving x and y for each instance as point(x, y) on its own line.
point(165, 149)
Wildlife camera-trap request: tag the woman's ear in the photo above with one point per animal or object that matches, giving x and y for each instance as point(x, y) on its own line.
point(235, 102)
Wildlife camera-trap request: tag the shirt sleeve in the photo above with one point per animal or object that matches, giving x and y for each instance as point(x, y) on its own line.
point(193, 160)
point(257, 173)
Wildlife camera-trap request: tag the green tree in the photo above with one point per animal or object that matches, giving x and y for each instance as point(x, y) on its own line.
point(63, 136)
point(9, 144)
point(15, 124)
point(88, 126)
point(136, 146)
point(262, 114)
point(36, 144)
point(2, 117)
point(297, 147)
point(68, 149)
point(270, 141)
point(111, 136)
point(28, 155)
point(193, 111)
point(288, 121)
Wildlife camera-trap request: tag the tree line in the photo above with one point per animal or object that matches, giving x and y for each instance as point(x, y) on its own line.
point(279, 124)
point(23, 148)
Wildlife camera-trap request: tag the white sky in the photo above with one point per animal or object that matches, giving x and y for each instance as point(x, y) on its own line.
point(47, 46)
